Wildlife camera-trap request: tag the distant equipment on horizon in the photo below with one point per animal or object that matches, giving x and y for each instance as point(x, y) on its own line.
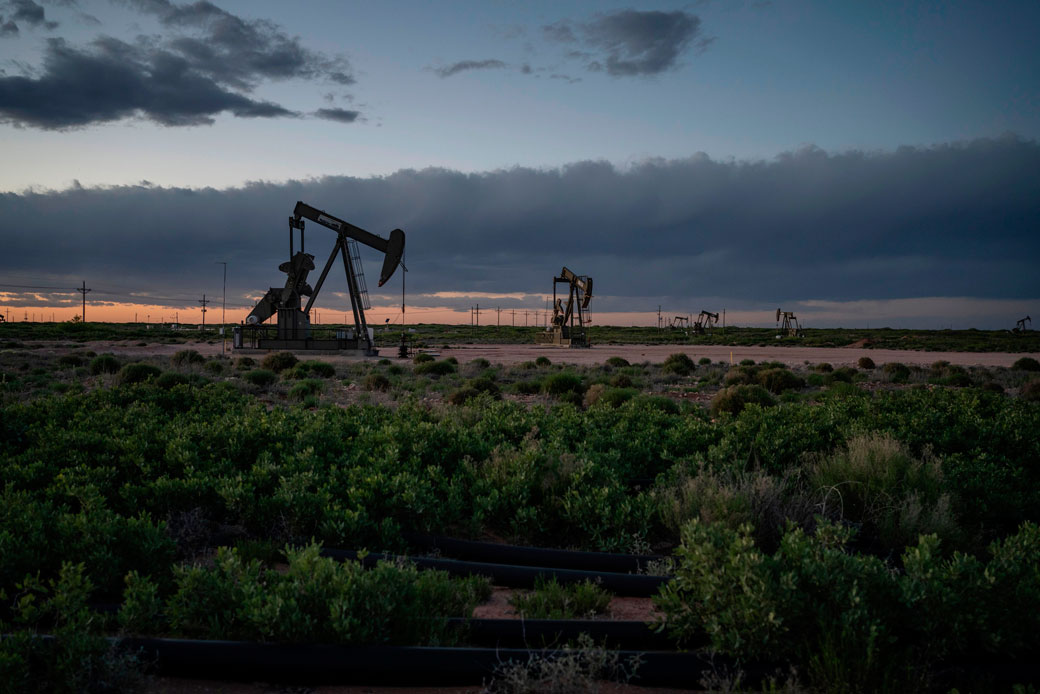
point(569, 322)
point(293, 330)
point(789, 327)
point(1020, 326)
point(705, 323)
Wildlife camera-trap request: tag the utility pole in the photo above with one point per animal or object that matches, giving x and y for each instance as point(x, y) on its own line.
point(723, 321)
point(514, 317)
point(83, 290)
point(478, 315)
point(203, 301)
point(223, 308)
point(659, 316)
point(499, 312)
point(525, 319)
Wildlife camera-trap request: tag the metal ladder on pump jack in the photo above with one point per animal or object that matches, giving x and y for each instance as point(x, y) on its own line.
point(359, 273)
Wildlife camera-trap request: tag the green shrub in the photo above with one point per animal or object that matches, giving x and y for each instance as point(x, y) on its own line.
point(617, 362)
point(866, 363)
point(552, 600)
point(747, 362)
point(542, 361)
point(896, 372)
point(384, 362)
point(992, 386)
point(104, 364)
point(169, 379)
point(823, 367)
point(480, 363)
point(260, 377)
point(678, 363)
point(1026, 364)
point(462, 395)
point(621, 381)
point(243, 363)
point(137, 372)
point(320, 600)
point(661, 403)
point(376, 381)
point(734, 398)
point(395, 370)
point(704, 361)
point(307, 388)
point(422, 358)
point(779, 380)
point(435, 368)
point(187, 357)
point(279, 361)
point(563, 382)
point(484, 385)
point(741, 375)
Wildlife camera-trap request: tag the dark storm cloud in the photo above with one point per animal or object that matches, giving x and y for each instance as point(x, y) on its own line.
point(116, 80)
point(337, 114)
point(8, 28)
point(953, 220)
point(31, 13)
point(464, 65)
point(184, 79)
point(631, 42)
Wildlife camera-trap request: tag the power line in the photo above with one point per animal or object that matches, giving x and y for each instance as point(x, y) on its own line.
point(83, 290)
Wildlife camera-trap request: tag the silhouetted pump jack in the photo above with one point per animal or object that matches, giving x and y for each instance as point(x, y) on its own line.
point(293, 323)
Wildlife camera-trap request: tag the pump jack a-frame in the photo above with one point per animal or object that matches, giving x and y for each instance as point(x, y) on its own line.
point(293, 322)
point(569, 322)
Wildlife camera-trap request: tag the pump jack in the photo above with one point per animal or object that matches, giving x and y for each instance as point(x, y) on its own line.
point(294, 326)
point(790, 326)
point(1020, 326)
point(569, 322)
point(705, 323)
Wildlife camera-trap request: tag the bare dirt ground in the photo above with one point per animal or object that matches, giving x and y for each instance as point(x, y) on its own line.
point(514, 354)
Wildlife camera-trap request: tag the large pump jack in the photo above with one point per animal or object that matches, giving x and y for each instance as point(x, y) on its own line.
point(1020, 325)
point(293, 324)
point(569, 321)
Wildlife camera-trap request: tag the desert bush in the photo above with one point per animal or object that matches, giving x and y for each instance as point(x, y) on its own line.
point(704, 361)
point(527, 387)
point(137, 372)
point(563, 382)
point(896, 372)
point(734, 398)
point(169, 379)
point(1026, 364)
point(187, 357)
point(376, 381)
point(617, 362)
point(479, 363)
point(678, 363)
point(244, 363)
point(462, 395)
point(435, 368)
point(542, 361)
point(740, 375)
point(71, 360)
point(866, 363)
point(279, 361)
point(844, 374)
point(104, 364)
point(621, 381)
point(578, 669)
point(260, 377)
point(320, 369)
point(661, 403)
point(1030, 392)
point(214, 367)
point(823, 367)
point(778, 380)
point(874, 481)
point(746, 362)
point(552, 600)
point(422, 358)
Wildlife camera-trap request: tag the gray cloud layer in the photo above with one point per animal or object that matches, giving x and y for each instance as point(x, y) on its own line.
point(630, 43)
point(464, 65)
point(953, 220)
point(180, 80)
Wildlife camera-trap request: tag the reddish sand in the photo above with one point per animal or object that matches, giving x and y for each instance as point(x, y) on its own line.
point(514, 354)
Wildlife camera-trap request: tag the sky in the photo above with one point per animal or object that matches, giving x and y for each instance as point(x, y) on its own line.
point(862, 164)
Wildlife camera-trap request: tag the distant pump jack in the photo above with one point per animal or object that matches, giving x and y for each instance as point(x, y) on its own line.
point(570, 321)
